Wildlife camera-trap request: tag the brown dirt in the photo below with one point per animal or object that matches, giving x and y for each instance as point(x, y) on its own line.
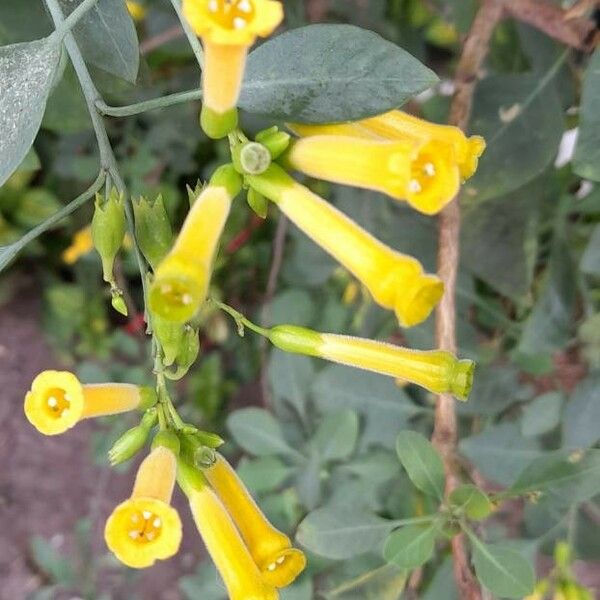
point(48, 484)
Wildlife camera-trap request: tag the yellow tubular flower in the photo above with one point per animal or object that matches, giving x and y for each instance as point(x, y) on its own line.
point(145, 528)
point(278, 562)
point(57, 400)
point(136, 10)
point(182, 278)
point(81, 244)
point(423, 174)
point(397, 126)
point(395, 281)
point(226, 547)
point(228, 28)
point(438, 371)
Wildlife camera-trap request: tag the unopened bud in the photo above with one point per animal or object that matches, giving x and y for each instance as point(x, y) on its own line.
point(169, 335)
point(133, 440)
point(274, 140)
point(258, 203)
point(108, 230)
point(118, 302)
point(152, 229)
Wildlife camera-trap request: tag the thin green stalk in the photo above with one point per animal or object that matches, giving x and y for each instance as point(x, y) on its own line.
point(191, 36)
point(11, 251)
point(91, 95)
point(141, 107)
point(240, 319)
point(75, 17)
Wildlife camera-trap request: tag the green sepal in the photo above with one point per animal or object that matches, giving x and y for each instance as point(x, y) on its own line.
point(188, 477)
point(108, 230)
point(299, 340)
point(133, 440)
point(274, 140)
point(474, 502)
point(258, 203)
point(148, 397)
point(195, 452)
point(194, 192)
point(167, 439)
point(153, 230)
point(216, 125)
point(169, 335)
point(226, 176)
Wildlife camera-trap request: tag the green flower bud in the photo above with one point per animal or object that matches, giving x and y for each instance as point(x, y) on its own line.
point(274, 140)
point(133, 440)
point(168, 439)
point(258, 203)
point(152, 229)
point(216, 125)
point(108, 230)
point(206, 438)
point(118, 302)
point(189, 347)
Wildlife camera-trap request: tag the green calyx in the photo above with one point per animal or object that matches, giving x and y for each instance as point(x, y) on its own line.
point(108, 230)
point(189, 477)
point(148, 397)
point(216, 125)
point(167, 439)
point(153, 230)
point(461, 380)
point(133, 440)
point(227, 176)
point(299, 340)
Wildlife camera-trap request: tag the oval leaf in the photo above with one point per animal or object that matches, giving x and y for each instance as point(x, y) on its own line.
point(326, 73)
point(342, 533)
point(472, 500)
point(410, 547)
point(337, 435)
point(422, 463)
point(502, 570)
point(26, 72)
point(257, 432)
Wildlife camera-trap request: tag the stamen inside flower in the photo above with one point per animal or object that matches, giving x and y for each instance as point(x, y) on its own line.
point(145, 526)
point(57, 403)
point(422, 173)
point(231, 14)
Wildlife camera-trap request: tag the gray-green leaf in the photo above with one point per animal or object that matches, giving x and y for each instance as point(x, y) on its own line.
point(422, 463)
point(502, 570)
point(325, 73)
point(337, 435)
point(26, 72)
point(342, 533)
point(411, 546)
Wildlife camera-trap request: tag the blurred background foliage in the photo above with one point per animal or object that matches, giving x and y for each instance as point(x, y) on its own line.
point(313, 436)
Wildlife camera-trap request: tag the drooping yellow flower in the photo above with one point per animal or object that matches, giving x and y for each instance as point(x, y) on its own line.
point(136, 9)
point(182, 278)
point(223, 541)
point(395, 281)
point(438, 371)
point(57, 400)
point(81, 244)
point(397, 125)
point(228, 28)
point(423, 174)
point(278, 562)
point(145, 528)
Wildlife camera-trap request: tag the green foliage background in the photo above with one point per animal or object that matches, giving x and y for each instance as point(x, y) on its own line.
point(318, 443)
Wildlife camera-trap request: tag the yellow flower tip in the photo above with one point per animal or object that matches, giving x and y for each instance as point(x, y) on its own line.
point(282, 567)
point(414, 305)
point(233, 22)
point(141, 531)
point(434, 179)
point(462, 379)
point(55, 402)
point(136, 10)
point(475, 147)
point(81, 244)
point(177, 290)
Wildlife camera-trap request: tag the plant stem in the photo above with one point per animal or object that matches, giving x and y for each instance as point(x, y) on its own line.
point(445, 424)
point(191, 36)
point(240, 319)
point(140, 107)
point(75, 17)
point(107, 157)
